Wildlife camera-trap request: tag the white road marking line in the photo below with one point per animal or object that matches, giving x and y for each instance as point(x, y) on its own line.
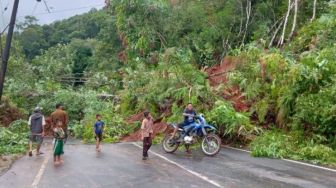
point(311, 165)
point(289, 160)
point(238, 149)
point(184, 168)
point(41, 171)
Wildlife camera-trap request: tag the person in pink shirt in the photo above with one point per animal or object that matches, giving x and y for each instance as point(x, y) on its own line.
point(147, 131)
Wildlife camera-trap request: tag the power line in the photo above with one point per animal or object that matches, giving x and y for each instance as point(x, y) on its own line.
point(4, 29)
point(45, 3)
point(6, 7)
point(67, 10)
point(2, 14)
point(34, 9)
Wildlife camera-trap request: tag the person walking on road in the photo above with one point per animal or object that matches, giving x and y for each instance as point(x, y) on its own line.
point(98, 129)
point(59, 136)
point(60, 115)
point(147, 131)
point(36, 123)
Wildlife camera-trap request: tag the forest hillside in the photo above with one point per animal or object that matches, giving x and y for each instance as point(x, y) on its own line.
point(263, 72)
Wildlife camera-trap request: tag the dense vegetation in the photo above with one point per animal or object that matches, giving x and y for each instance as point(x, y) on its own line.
point(152, 54)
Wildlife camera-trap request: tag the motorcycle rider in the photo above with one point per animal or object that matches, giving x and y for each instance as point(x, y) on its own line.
point(189, 115)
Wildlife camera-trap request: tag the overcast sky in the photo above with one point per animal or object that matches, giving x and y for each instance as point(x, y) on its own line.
point(60, 9)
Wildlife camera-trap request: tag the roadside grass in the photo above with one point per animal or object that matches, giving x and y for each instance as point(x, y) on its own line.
point(14, 139)
point(293, 145)
point(112, 132)
point(158, 139)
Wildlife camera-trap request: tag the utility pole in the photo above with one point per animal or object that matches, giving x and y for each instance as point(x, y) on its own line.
point(5, 54)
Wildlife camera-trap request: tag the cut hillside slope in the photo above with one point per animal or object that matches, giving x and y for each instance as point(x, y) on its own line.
point(218, 75)
point(9, 113)
point(158, 127)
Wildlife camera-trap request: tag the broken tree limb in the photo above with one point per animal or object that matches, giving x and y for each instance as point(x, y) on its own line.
point(275, 34)
point(217, 74)
point(276, 23)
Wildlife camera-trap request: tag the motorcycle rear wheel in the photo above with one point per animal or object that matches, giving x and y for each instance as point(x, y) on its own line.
point(211, 145)
point(168, 145)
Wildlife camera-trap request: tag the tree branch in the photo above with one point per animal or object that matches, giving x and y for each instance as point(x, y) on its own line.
point(275, 34)
point(314, 11)
point(248, 15)
point(296, 2)
point(282, 38)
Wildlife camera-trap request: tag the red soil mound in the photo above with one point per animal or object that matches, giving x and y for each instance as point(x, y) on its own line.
point(157, 128)
point(217, 76)
point(48, 129)
point(217, 73)
point(137, 117)
point(9, 113)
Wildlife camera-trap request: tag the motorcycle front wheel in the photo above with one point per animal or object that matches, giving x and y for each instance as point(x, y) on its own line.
point(211, 144)
point(169, 145)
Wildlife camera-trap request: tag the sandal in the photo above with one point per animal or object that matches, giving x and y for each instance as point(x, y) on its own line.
point(41, 153)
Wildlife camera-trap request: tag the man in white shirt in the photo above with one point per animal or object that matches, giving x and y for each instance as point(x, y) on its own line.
point(36, 124)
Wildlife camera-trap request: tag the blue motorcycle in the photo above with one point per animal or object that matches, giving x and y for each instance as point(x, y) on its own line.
point(198, 131)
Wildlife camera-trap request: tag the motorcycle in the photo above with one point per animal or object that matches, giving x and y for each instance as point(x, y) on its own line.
point(198, 131)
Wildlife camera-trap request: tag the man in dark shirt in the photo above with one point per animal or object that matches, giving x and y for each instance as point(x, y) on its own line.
point(36, 124)
point(98, 128)
point(189, 115)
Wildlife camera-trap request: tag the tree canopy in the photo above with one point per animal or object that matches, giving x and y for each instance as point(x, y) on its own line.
point(274, 58)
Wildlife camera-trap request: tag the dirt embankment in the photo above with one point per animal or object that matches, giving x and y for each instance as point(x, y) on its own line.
point(158, 127)
point(218, 76)
point(9, 113)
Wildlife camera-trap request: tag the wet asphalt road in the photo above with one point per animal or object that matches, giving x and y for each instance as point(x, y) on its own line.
point(120, 165)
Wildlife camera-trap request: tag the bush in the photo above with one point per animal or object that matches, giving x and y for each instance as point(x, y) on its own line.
point(74, 101)
point(115, 126)
point(229, 122)
point(317, 154)
point(275, 144)
point(12, 142)
point(294, 145)
point(19, 126)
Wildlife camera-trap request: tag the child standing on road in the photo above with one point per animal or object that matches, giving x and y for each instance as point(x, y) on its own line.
point(59, 136)
point(98, 129)
point(147, 131)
